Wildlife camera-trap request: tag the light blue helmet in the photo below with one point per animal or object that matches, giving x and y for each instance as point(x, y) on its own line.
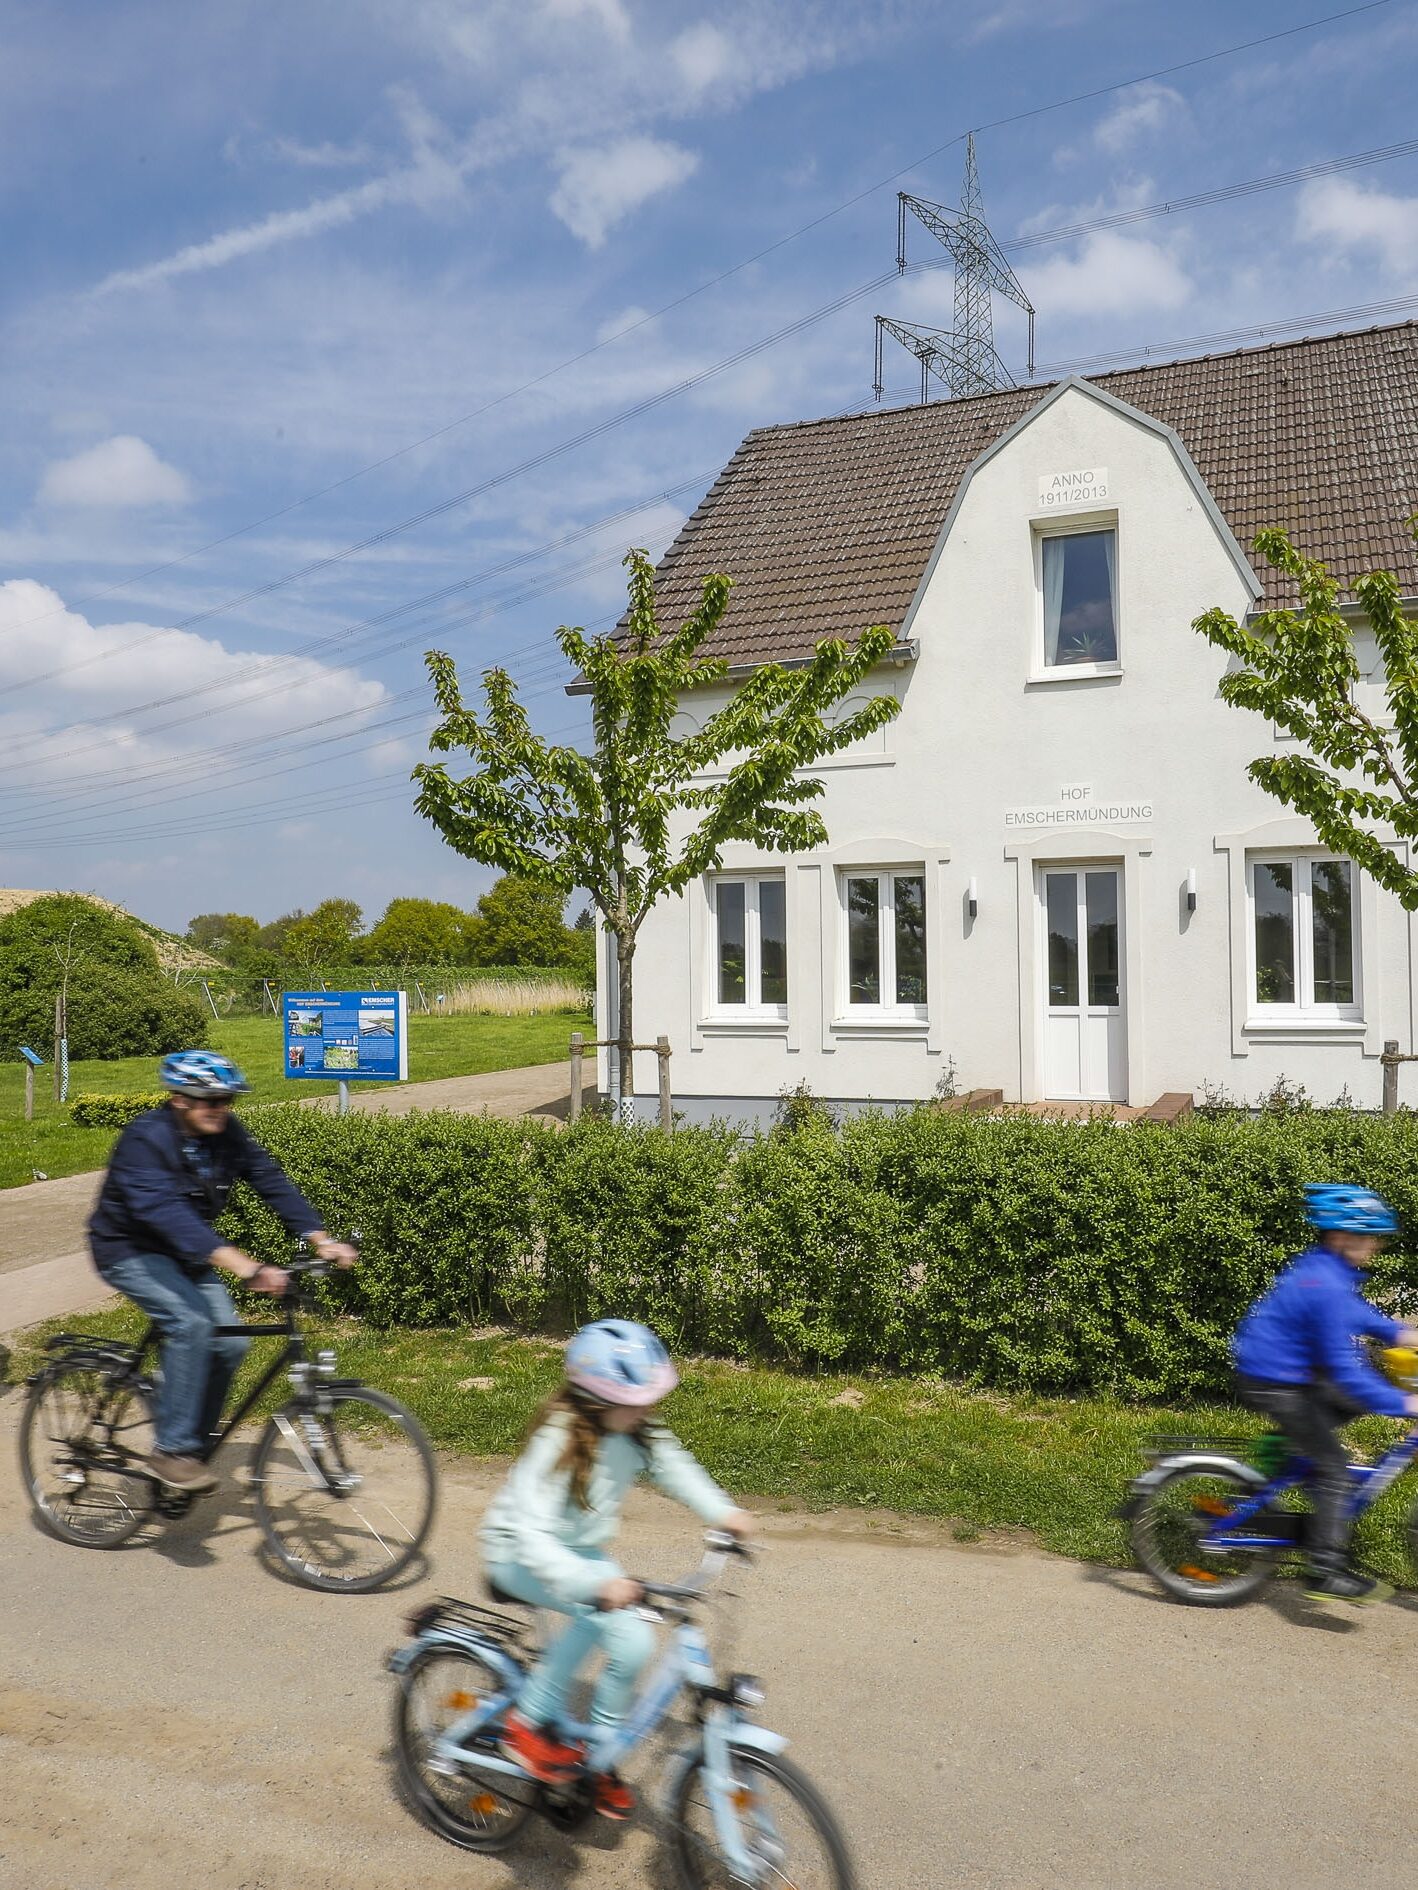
point(201, 1073)
point(616, 1361)
point(1338, 1208)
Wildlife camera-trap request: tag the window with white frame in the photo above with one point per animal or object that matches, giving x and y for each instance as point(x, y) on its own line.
point(884, 933)
point(1304, 923)
point(750, 945)
point(1078, 573)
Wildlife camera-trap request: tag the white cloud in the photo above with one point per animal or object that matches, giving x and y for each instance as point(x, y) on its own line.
point(702, 56)
point(119, 473)
point(601, 185)
point(1109, 274)
point(51, 722)
point(1140, 110)
point(433, 177)
point(611, 14)
point(1350, 217)
point(326, 156)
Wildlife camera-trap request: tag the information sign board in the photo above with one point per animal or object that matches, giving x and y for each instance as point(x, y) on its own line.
point(347, 1036)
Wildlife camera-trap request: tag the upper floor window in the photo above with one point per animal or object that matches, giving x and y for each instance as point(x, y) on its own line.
point(1079, 571)
point(886, 941)
point(750, 926)
point(1304, 923)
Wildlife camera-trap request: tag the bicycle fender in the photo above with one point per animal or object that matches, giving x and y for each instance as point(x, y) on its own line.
point(1141, 1488)
point(497, 1657)
point(743, 1736)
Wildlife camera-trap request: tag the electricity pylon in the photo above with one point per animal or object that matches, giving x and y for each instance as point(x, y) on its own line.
point(964, 356)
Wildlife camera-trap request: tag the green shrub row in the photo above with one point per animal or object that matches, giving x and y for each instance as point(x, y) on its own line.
point(1019, 1253)
point(94, 1111)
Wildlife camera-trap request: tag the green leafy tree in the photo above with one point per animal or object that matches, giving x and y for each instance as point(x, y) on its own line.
point(521, 924)
point(1355, 772)
point(325, 936)
point(274, 935)
point(416, 932)
point(229, 935)
point(637, 818)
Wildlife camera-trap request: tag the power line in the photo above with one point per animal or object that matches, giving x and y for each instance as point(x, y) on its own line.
point(1036, 111)
point(1363, 311)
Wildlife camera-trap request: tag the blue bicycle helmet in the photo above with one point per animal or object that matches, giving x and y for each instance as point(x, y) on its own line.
point(616, 1361)
point(1337, 1207)
point(201, 1073)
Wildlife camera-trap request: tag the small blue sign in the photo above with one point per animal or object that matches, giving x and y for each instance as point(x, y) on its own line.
point(32, 1057)
point(347, 1036)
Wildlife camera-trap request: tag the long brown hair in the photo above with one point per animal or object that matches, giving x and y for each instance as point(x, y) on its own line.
point(584, 1432)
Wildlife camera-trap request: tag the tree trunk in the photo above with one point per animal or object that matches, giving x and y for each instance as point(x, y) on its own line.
point(625, 964)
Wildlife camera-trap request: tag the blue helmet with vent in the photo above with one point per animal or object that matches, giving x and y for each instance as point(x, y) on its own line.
point(1338, 1208)
point(616, 1361)
point(201, 1073)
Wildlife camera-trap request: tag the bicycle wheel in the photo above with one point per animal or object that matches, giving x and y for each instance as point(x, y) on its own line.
point(344, 1489)
point(1168, 1529)
point(83, 1437)
point(790, 1833)
point(478, 1812)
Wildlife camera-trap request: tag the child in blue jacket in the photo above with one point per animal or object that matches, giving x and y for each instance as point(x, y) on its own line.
point(1299, 1359)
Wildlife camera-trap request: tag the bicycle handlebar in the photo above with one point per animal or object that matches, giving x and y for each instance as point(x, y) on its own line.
point(720, 1549)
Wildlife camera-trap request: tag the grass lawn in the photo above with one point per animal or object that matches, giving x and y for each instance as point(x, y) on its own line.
point(438, 1046)
point(1054, 1467)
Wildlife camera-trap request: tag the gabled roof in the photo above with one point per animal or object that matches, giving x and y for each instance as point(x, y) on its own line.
point(829, 525)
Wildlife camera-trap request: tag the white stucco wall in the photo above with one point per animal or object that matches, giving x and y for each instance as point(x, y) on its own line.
point(977, 737)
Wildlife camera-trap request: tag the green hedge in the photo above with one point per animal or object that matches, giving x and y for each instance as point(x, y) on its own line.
point(1016, 1252)
point(114, 1110)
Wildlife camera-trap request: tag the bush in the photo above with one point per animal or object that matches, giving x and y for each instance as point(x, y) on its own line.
point(1015, 1252)
point(119, 1005)
point(114, 1111)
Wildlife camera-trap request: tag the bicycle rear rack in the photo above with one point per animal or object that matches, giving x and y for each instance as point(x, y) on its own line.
point(450, 1612)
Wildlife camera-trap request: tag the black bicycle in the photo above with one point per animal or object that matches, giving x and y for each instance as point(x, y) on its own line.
point(343, 1475)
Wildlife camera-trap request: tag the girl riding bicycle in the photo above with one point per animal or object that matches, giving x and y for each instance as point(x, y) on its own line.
point(545, 1536)
point(1298, 1359)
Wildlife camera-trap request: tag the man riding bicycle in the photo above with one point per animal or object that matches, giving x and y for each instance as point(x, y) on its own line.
point(1299, 1360)
point(152, 1238)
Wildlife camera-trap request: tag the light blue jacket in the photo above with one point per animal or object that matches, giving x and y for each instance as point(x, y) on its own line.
point(535, 1522)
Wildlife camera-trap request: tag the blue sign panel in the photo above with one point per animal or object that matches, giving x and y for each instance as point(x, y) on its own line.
point(344, 1036)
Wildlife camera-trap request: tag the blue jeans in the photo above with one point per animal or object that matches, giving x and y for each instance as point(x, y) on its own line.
point(197, 1367)
point(622, 1636)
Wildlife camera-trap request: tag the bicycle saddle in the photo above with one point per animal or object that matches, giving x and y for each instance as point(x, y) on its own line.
point(501, 1596)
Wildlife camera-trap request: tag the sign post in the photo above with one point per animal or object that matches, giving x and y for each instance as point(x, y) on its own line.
point(346, 1037)
point(33, 1060)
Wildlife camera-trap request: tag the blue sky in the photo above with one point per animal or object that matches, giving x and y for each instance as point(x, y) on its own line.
point(253, 250)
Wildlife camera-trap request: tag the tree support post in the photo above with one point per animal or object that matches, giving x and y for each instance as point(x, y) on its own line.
point(1390, 1060)
point(29, 1092)
point(662, 1053)
point(577, 1055)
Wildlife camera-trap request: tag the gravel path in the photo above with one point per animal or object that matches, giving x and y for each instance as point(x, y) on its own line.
point(981, 1716)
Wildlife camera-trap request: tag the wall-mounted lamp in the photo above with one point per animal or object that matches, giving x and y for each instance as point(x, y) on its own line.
point(1191, 889)
point(972, 898)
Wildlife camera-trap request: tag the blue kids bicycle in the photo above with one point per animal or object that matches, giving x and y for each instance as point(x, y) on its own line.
point(1211, 1525)
point(740, 1813)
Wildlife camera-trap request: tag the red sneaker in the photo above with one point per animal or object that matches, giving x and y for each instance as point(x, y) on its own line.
point(613, 1798)
point(538, 1750)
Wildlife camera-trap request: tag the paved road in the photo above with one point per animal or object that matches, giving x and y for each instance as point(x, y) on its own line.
point(981, 1716)
point(44, 1263)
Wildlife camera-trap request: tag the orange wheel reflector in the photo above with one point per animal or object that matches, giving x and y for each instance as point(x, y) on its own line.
point(1195, 1574)
point(744, 1799)
point(460, 1702)
point(1211, 1506)
point(484, 1804)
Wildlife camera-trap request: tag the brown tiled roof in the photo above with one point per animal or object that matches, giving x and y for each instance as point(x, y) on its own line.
point(826, 526)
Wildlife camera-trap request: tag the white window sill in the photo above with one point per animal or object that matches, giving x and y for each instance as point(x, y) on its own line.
point(747, 1024)
point(882, 1023)
point(1301, 1026)
point(1074, 672)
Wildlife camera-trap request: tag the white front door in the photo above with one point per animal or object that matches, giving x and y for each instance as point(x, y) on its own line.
point(1085, 1032)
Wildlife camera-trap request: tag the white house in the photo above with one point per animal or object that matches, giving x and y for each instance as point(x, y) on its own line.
point(1051, 870)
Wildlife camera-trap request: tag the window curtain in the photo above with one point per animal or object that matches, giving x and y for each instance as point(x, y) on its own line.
point(1054, 551)
point(1110, 552)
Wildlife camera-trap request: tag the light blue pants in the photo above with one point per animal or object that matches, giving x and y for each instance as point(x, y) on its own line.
point(626, 1641)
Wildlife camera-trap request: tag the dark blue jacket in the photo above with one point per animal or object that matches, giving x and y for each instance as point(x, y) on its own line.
point(1308, 1327)
point(156, 1197)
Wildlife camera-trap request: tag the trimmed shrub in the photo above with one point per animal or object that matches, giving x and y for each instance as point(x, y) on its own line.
point(116, 1111)
point(1014, 1251)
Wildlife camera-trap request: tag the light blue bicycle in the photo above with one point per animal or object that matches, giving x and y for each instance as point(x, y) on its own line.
point(741, 1815)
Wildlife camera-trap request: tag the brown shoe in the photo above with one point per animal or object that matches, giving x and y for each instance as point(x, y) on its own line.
point(181, 1473)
